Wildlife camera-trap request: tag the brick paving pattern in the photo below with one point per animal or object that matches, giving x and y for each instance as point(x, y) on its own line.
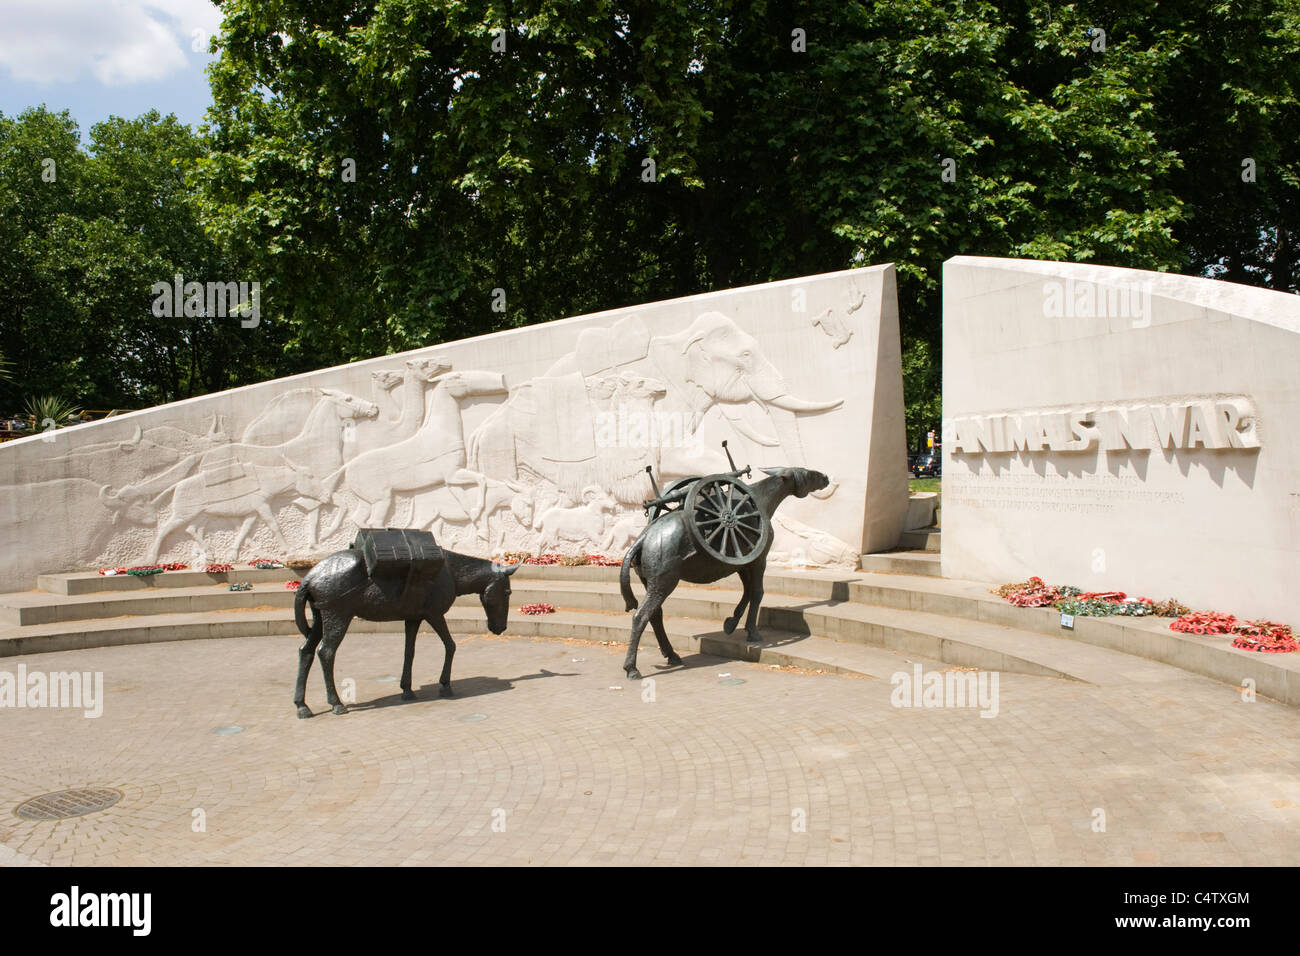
point(563, 769)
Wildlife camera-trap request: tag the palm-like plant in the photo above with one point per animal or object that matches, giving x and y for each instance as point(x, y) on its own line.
point(50, 411)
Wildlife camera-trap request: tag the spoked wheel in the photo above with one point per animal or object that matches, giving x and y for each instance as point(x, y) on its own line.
point(726, 521)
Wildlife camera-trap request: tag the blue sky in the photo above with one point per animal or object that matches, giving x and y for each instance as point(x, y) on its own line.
point(98, 58)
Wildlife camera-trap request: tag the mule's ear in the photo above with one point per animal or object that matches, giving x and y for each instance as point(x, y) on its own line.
point(774, 472)
point(512, 570)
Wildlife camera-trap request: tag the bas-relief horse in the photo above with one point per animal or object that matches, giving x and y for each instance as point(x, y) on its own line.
point(338, 589)
point(665, 554)
point(240, 480)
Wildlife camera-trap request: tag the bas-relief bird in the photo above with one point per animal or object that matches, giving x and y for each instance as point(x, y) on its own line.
point(839, 333)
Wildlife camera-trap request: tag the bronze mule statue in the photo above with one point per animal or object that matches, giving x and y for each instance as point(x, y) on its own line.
point(339, 588)
point(675, 545)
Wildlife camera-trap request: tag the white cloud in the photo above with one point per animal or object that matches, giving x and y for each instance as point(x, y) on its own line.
point(118, 42)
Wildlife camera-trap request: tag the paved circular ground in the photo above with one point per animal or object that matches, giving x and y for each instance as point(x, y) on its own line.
point(540, 759)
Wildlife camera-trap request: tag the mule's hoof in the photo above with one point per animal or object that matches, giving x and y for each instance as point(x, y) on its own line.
point(409, 694)
point(446, 691)
point(753, 637)
point(303, 711)
point(673, 659)
point(340, 708)
point(633, 673)
point(729, 624)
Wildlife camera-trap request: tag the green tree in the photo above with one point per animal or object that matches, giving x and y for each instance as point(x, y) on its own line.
point(84, 241)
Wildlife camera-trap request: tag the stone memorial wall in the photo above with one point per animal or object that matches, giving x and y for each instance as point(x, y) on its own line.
point(534, 439)
point(1122, 430)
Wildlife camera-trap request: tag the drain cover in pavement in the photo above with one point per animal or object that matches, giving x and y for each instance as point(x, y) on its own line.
point(67, 803)
point(731, 683)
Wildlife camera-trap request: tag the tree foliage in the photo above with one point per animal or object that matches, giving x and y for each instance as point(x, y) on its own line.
point(84, 235)
point(384, 167)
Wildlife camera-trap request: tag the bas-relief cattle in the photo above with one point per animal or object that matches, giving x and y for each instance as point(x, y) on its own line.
point(536, 442)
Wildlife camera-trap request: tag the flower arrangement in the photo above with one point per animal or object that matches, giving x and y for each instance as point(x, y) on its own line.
point(1203, 622)
point(1035, 593)
point(1070, 600)
point(239, 586)
point(143, 570)
point(568, 561)
point(292, 585)
point(265, 564)
point(1267, 637)
point(217, 568)
point(537, 609)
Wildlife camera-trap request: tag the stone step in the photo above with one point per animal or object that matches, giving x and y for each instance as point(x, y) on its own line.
point(988, 647)
point(779, 648)
point(925, 563)
point(268, 610)
point(39, 607)
point(925, 539)
point(933, 617)
point(91, 582)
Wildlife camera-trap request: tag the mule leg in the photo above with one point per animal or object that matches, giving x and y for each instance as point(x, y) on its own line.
point(439, 625)
point(409, 659)
point(730, 623)
point(336, 628)
point(657, 590)
point(657, 622)
point(305, 653)
point(754, 591)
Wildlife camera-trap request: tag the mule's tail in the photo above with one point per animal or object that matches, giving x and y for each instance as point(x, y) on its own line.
point(625, 575)
point(300, 600)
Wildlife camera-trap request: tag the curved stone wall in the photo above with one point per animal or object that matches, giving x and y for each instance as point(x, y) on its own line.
point(1119, 429)
point(534, 439)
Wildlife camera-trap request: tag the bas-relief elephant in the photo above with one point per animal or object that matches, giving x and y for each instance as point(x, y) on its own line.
point(710, 364)
point(713, 363)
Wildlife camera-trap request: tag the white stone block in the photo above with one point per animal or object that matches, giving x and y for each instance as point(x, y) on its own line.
point(1119, 429)
point(533, 439)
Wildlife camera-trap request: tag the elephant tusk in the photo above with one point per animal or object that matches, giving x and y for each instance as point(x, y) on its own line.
point(791, 404)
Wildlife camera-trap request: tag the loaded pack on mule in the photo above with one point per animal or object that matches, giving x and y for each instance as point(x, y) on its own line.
point(703, 529)
point(391, 574)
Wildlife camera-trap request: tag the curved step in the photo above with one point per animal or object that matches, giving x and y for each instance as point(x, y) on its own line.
point(780, 648)
point(958, 622)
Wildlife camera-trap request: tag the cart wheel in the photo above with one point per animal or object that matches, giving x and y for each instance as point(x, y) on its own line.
point(726, 521)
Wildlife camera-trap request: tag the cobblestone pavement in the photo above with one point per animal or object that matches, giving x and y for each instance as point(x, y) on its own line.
point(541, 759)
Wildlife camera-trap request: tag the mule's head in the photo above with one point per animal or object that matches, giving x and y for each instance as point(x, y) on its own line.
point(496, 598)
point(800, 482)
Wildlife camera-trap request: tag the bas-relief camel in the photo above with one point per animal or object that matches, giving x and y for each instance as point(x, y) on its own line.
point(433, 456)
point(666, 554)
point(403, 418)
